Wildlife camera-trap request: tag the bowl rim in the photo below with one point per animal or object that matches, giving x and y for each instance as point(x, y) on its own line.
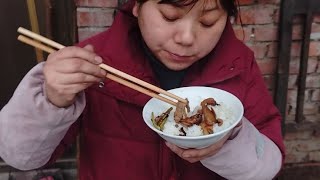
point(202, 136)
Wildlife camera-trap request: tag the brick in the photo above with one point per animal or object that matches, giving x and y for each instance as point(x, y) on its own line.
point(292, 96)
point(291, 112)
point(297, 30)
point(314, 118)
point(266, 33)
point(267, 67)
point(95, 17)
point(290, 118)
point(308, 95)
point(291, 108)
point(292, 83)
point(295, 49)
point(269, 81)
point(314, 48)
point(290, 144)
point(296, 157)
point(310, 108)
point(312, 144)
point(295, 65)
point(272, 50)
point(300, 135)
point(315, 95)
point(85, 33)
point(313, 81)
point(246, 2)
point(316, 18)
point(97, 3)
point(256, 15)
point(314, 156)
point(315, 31)
point(312, 65)
point(260, 50)
point(276, 16)
point(243, 33)
point(277, 2)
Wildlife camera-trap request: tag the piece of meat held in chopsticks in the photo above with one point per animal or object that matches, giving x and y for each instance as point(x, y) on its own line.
point(209, 116)
point(160, 120)
point(180, 112)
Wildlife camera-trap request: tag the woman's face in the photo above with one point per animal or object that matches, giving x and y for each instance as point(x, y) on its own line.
point(180, 36)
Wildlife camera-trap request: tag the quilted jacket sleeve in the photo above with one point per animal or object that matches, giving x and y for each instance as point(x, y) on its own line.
point(30, 126)
point(257, 151)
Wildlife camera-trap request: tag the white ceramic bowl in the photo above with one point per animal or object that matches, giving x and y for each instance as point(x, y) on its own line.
point(195, 95)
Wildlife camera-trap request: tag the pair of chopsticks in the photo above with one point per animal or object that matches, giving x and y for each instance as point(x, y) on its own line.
point(39, 42)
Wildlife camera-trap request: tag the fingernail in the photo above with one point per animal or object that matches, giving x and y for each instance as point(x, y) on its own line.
point(98, 59)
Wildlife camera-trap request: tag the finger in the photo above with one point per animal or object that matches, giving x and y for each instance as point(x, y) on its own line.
point(77, 78)
point(175, 149)
point(78, 52)
point(200, 153)
point(188, 154)
point(192, 160)
point(205, 152)
point(76, 65)
point(180, 152)
point(89, 47)
point(72, 88)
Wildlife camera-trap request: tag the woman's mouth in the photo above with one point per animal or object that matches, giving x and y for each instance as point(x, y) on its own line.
point(177, 57)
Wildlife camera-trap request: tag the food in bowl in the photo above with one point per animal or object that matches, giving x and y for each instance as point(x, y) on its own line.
point(205, 119)
point(195, 95)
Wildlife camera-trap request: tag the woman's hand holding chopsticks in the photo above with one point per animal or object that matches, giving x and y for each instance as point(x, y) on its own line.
point(70, 71)
point(63, 95)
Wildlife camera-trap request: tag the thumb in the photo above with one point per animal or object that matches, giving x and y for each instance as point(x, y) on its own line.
point(89, 47)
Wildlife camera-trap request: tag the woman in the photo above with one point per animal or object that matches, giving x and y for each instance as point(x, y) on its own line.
point(169, 43)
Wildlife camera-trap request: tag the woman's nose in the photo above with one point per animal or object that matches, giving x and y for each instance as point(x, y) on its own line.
point(185, 36)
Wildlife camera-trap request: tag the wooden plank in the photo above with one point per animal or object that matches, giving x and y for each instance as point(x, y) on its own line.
point(33, 17)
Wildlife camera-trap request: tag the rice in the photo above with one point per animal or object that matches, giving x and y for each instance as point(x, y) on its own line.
point(222, 112)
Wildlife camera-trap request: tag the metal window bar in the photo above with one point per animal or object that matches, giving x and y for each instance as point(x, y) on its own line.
point(288, 9)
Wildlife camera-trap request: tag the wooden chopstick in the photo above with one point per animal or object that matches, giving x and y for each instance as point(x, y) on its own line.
point(35, 44)
point(40, 38)
point(118, 77)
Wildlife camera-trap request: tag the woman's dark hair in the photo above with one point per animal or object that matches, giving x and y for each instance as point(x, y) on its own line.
point(230, 6)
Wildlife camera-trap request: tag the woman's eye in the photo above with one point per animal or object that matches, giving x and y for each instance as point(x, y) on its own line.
point(207, 24)
point(169, 19)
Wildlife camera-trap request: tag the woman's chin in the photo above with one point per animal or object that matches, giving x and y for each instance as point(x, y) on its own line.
point(176, 67)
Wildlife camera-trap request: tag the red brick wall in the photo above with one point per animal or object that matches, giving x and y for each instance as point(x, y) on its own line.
point(260, 25)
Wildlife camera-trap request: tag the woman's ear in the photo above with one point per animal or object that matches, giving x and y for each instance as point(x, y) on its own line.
point(135, 9)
